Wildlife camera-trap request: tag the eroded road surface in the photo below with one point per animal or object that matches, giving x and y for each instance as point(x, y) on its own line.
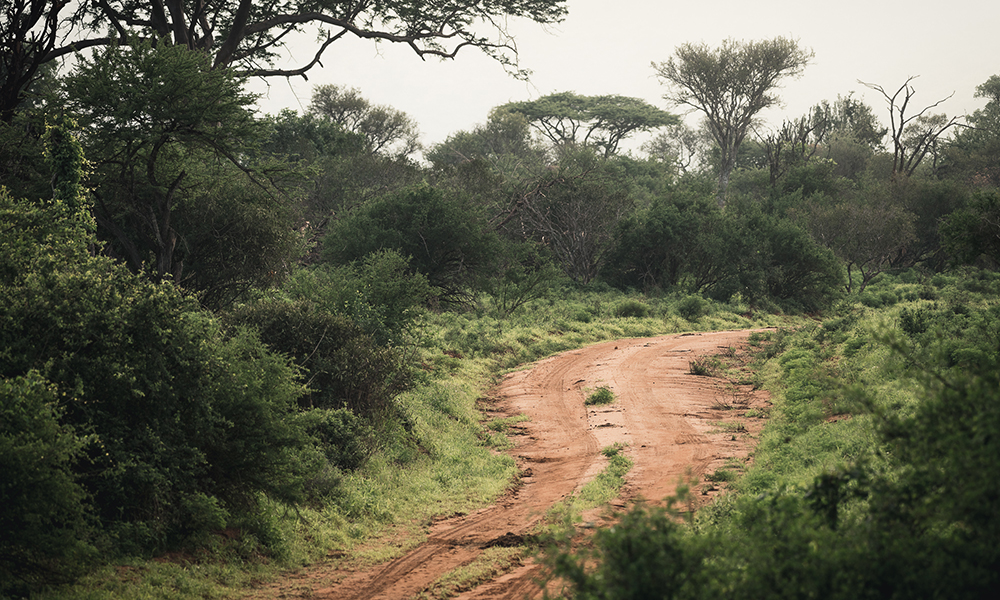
point(677, 426)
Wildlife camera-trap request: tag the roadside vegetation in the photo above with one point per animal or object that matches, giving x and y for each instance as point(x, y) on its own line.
point(872, 478)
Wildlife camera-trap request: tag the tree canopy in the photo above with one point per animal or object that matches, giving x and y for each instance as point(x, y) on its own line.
point(599, 121)
point(249, 36)
point(384, 128)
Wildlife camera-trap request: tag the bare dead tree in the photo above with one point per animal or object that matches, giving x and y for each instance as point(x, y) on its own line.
point(914, 134)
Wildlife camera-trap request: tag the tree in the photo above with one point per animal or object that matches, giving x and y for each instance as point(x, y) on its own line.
point(442, 234)
point(170, 140)
point(505, 135)
point(248, 36)
point(730, 85)
point(384, 129)
point(185, 423)
point(28, 33)
point(974, 153)
point(848, 116)
point(572, 209)
point(599, 121)
point(914, 135)
point(973, 232)
point(866, 235)
point(683, 146)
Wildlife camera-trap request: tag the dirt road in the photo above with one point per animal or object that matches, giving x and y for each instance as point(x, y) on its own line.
point(675, 424)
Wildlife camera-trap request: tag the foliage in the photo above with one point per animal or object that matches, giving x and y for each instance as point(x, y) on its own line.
point(504, 136)
point(167, 135)
point(524, 273)
point(683, 241)
point(971, 233)
point(866, 236)
point(572, 211)
point(646, 555)
point(188, 424)
point(341, 363)
point(659, 246)
point(384, 129)
point(441, 233)
point(602, 395)
point(971, 156)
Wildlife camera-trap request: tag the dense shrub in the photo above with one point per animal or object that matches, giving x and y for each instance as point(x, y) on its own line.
point(341, 363)
point(189, 423)
point(687, 241)
point(441, 233)
point(45, 532)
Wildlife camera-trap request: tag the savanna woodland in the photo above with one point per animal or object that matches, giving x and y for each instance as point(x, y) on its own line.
point(235, 343)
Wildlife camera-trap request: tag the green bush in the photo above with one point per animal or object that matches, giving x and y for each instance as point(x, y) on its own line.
point(602, 395)
point(632, 308)
point(45, 531)
point(341, 363)
point(692, 307)
point(180, 411)
point(443, 235)
point(343, 437)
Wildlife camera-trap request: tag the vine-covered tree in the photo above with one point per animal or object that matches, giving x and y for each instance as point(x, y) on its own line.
point(730, 85)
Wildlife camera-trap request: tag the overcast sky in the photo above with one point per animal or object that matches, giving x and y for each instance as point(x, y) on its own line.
point(606, 47)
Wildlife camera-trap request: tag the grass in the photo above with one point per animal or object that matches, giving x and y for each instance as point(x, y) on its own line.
point(602, 395)
point(608, 483)
point(705, 366)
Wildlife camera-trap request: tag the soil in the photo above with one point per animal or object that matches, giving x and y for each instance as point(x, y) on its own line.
point(678, 428)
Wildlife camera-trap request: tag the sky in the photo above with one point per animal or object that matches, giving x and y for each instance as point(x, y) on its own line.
point(605, 47)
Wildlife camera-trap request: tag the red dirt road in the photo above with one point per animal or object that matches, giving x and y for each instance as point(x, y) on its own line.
point(672, 421)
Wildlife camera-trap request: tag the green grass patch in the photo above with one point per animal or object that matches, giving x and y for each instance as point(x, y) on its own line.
point(606, 486)
point(492, 563)
point(602, 395)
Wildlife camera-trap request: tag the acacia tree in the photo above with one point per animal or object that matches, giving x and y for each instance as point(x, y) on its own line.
point(730, 85)
point(866, 236)
point(914, 135)
point(505, 134)
point(603, 122)
point(249, 36)
point(681, 145)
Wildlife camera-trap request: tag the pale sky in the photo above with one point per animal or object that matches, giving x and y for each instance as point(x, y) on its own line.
point(606, 47)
